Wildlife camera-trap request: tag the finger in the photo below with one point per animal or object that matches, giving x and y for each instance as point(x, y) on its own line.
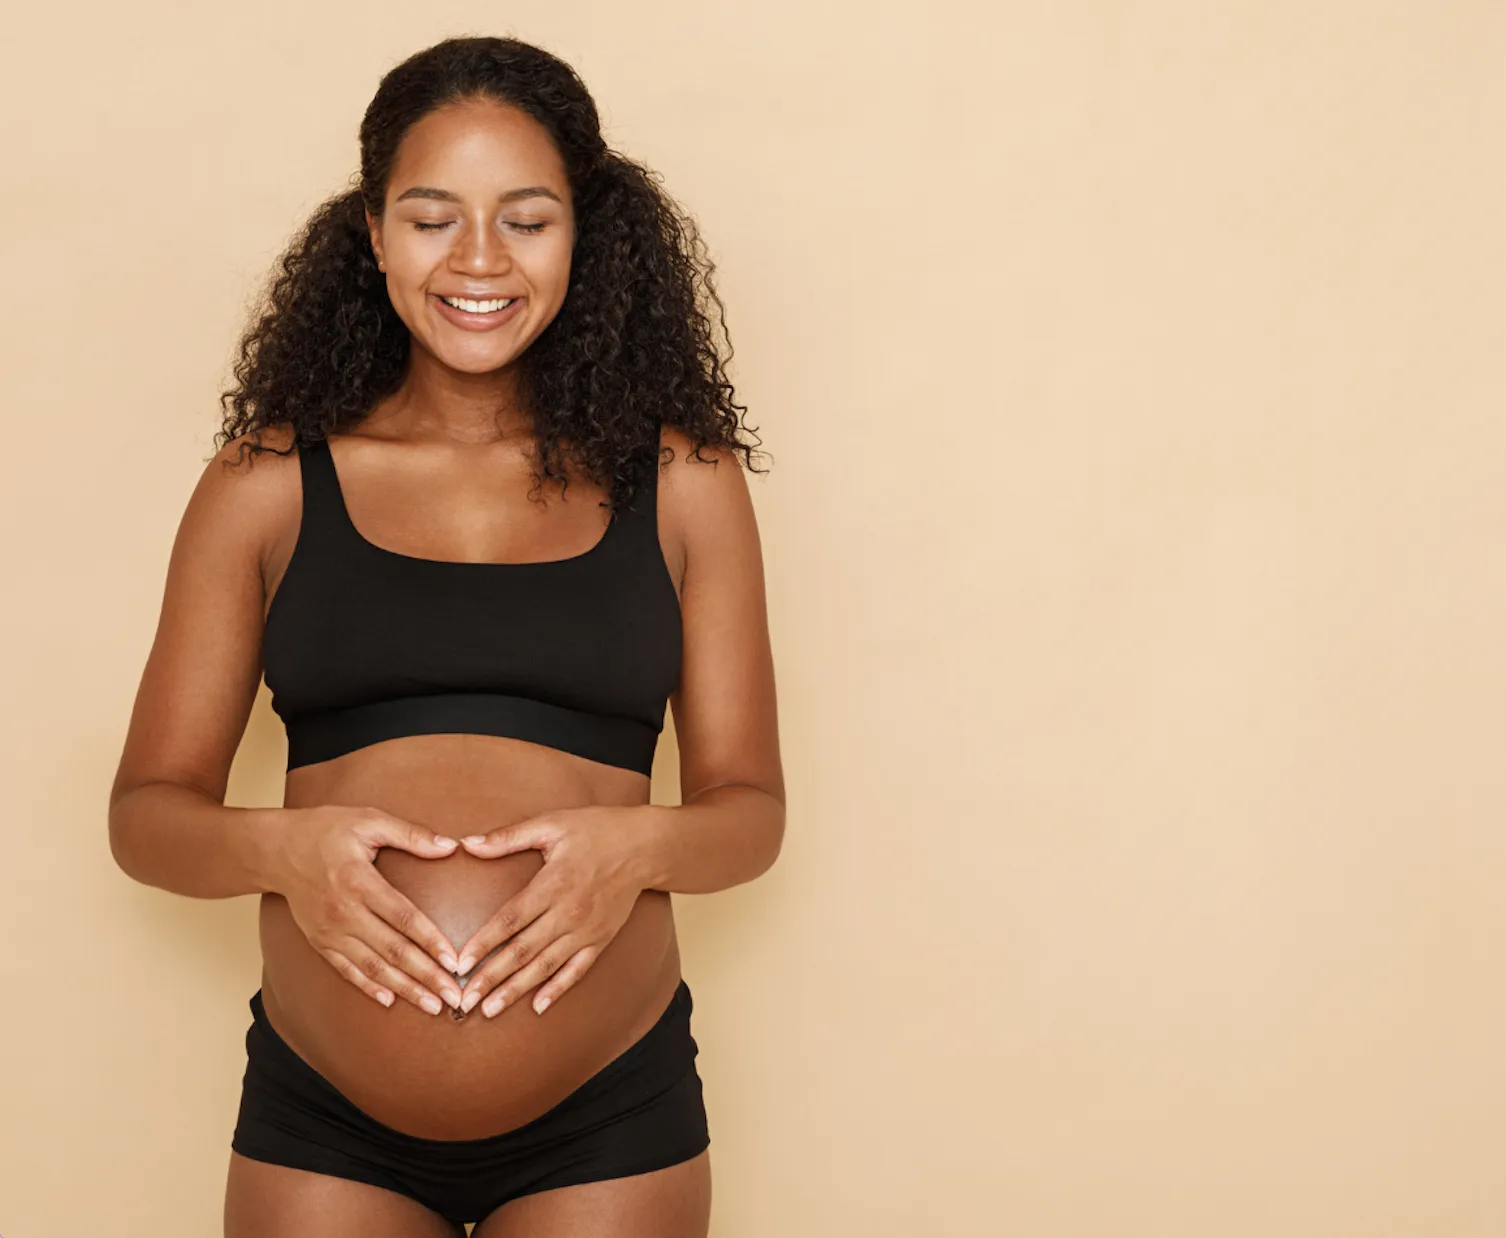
point(381, 829)
point(357, 977)
point(534, 833)
point(375, 968)
point(408, 959)
point(521, 950)
point(398, 910)
point(544, 966)
point(577, 966)
point(515, 915)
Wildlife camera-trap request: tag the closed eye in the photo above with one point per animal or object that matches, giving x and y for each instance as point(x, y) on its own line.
point(423, 227)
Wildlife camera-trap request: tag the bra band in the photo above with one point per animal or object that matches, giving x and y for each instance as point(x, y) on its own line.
point(622, 742)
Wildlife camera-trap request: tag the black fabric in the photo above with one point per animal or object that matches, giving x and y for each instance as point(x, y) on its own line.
point(364, 644)
point(615, 741)
point(643, 1111)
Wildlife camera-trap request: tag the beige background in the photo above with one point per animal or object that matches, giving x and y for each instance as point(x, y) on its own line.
point(1133, 377)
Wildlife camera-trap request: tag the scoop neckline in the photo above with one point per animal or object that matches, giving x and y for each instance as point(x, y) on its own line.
point(363, 540)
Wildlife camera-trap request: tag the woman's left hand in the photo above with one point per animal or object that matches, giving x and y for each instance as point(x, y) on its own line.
point(563, 919)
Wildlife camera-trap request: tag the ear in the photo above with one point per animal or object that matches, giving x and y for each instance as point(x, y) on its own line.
point(375, 229)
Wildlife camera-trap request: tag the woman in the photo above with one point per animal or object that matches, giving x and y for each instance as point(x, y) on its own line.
point(473, 678)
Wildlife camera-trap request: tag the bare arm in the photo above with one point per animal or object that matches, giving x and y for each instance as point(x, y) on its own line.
point(169, 826)
point(729, 826)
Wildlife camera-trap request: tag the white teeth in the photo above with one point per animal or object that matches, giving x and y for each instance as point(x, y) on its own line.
point(477, 307)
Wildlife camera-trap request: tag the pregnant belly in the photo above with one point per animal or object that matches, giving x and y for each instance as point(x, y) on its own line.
point(438, 1078)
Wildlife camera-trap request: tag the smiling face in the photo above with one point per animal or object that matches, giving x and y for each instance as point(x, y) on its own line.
point(478, 209)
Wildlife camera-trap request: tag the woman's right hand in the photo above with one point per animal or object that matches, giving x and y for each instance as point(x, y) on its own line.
point(352, 915)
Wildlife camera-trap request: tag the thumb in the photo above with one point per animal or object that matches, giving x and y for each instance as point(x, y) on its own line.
point(385, 830)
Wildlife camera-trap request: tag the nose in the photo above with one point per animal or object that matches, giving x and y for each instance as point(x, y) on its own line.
point(481, 250)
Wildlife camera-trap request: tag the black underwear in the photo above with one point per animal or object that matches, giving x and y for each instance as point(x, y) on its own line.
point(642, 1111)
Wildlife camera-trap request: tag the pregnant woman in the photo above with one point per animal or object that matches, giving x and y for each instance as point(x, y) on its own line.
point(479, 515)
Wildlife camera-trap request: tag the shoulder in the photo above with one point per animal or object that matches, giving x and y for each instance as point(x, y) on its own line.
point(249, 497)
point(263, 453)
point(704, 495)
point(714, 470)
point(254, 471)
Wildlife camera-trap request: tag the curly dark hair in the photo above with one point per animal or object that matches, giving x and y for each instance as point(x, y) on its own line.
point(631, 348)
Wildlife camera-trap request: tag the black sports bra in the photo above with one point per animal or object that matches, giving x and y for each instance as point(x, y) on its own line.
point(364, 644)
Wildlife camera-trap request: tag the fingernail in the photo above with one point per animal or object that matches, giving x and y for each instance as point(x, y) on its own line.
point(453, 997)
point(447, 961)
point(470, 1000)
point(385, 998)
point(430, 1003)
point(493, 1005)
point(441, 840)
point(465, 965)
point(476, 838)
point(541, 1005)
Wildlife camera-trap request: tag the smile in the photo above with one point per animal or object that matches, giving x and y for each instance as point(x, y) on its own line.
point(477, 315)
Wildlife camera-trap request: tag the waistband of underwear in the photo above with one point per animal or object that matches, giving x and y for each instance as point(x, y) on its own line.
point(650, 1066)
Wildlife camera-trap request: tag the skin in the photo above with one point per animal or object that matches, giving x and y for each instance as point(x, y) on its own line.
point(435, 472)
point(479, 153)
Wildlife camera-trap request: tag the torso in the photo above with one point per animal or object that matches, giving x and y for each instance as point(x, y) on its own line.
point(438, 1076)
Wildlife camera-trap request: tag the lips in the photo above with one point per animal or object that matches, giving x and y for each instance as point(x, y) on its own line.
point(472, 296)
point(477, 322)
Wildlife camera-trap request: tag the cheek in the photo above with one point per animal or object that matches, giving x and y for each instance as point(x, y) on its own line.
point(407, 266)
point(551, 267)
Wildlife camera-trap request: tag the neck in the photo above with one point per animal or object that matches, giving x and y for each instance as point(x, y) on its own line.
point(438, 402)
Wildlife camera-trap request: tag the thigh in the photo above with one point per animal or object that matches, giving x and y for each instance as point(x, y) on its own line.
point(275, 1201)
point(674, 1202)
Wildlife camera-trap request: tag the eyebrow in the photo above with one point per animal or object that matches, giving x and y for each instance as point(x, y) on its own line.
point(444, 195)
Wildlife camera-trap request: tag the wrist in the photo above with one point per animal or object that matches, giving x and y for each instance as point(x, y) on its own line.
point(263, 846)
point(646, 852)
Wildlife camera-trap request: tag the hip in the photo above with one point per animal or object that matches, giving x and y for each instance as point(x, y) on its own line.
point(642, 1112)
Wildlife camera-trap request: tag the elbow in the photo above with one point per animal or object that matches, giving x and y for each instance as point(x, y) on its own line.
point(775, 841)
point(122, 832)
point(120, 839)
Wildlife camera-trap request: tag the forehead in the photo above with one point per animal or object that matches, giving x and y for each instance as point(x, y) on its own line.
point(477, 150)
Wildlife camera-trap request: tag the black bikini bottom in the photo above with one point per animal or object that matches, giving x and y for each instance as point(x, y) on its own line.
point(642, 1111)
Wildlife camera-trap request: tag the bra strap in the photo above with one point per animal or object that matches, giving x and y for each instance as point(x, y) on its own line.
point(642, 514)
point(646, 497)
point(322, 507)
